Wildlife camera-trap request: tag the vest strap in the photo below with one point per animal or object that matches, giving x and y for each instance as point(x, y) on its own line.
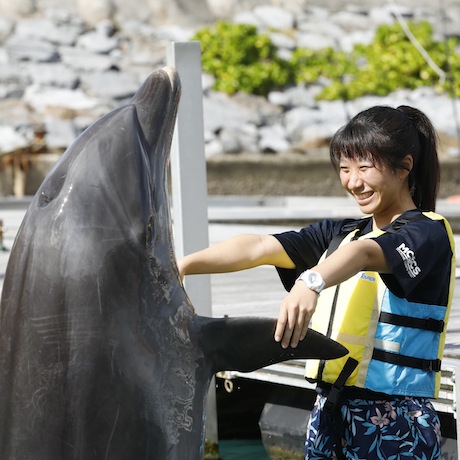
point(408, 361)
point(337, 387)
point(429, 324)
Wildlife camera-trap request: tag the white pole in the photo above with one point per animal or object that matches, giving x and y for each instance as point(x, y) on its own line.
point(189, 192)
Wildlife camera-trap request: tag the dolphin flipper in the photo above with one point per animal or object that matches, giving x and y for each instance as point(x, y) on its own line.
point(247, 343)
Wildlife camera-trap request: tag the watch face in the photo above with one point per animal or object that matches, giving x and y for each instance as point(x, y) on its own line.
point(314, 279)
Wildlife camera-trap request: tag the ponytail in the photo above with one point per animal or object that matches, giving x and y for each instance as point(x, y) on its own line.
point(425, 176)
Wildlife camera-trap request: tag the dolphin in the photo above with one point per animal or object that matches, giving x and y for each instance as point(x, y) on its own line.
point(102, 355)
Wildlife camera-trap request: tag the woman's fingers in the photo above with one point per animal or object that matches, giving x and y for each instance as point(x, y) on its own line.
point(294, 316)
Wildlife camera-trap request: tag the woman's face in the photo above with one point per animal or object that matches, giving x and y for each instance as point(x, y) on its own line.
point(378, 190)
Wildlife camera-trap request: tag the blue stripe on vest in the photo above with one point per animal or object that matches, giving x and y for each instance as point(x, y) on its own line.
point(413, 342)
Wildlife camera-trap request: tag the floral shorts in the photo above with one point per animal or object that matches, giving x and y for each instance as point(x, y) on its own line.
point(392, 429)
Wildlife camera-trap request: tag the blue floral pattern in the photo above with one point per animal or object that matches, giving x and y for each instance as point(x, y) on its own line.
point(398, 428)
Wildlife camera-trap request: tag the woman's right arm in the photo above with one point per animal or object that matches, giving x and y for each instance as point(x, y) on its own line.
point(237, 253)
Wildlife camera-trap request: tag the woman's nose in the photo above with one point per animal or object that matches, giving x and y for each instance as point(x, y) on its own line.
point(355, 180)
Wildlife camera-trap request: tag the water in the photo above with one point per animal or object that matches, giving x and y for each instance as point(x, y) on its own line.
point(246, 449)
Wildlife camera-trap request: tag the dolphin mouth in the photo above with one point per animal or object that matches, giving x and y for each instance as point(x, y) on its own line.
point(172, 74)
point(156, 103)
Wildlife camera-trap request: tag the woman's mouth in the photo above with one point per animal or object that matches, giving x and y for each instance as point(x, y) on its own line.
point(363, 198)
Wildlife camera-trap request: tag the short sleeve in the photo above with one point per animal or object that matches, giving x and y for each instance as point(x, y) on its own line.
point(306, 246)
point(419, 254)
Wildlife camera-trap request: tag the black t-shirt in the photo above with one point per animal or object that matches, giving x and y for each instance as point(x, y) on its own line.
point(418, 252)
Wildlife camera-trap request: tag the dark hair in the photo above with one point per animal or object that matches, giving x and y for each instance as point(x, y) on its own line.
point(387, 135)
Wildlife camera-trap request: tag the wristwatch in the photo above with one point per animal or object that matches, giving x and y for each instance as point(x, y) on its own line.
point(313, 280)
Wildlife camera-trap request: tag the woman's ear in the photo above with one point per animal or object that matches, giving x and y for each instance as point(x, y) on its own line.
point(406, 166)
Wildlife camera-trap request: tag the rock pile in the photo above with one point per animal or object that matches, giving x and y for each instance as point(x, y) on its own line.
point(58, 74)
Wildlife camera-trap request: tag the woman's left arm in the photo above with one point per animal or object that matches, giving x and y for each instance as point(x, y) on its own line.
point(299, 305)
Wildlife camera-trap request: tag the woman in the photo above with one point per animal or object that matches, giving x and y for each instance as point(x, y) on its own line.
point(387, 282)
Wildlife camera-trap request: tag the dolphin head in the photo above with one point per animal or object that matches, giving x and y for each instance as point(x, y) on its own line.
point(109, 186)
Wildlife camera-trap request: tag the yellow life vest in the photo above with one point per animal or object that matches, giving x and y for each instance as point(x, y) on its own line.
point(398, 344)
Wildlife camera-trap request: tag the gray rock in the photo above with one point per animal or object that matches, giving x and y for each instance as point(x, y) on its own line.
point(249, 135)
point(24, 49)
point(11, 140)
point(296, 96)
point(303, 124)
point(295, 121)
point(316, 135)
point(222, 111)
point(6, 28)
point(93, 11)
point(59, 133)
point(243, 138)
point(223, 9)
point(348, 41)
point(273, 139)
point(301, 96)
point(229, 140)
point(46, 29)
point(207, 82)
point(55, 75)
point(213, 148)
point(110, 84)
point(282, 40)
point(97, 42)
point(273, 17)
point(63, 101)
point(174, 33)
point(247, 17)
point(16, 113)
point(350, 21)
point(279, 98)
point(312, 13)
point(85, 60)
point(315, 41)
point(13, 74)
point(140, 51)
point(381, 15)
point(323, 27)
point(259, 105)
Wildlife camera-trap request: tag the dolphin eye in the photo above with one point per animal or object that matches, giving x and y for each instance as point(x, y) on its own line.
point(44, 199)
point(51, 189)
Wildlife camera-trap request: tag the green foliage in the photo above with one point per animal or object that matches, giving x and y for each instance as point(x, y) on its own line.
point(310, 65)
point(391, 62)
point(241, 59)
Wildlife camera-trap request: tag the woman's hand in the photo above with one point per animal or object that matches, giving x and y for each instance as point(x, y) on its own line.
point(294, 317)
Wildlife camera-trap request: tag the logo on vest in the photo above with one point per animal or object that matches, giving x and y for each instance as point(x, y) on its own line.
point(408, 257)
point(367, 277)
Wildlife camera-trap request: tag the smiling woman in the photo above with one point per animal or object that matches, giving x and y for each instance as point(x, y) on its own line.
point(381, 285)
point(402, 139)
point(377, 189)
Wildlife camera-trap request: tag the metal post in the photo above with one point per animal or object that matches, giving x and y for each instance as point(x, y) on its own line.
point(190, 196)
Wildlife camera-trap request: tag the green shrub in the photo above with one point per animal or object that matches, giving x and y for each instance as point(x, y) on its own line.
point(391, 62)
point(241, 59)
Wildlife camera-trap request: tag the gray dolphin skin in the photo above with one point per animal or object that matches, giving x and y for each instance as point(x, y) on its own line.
point(102, 355)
